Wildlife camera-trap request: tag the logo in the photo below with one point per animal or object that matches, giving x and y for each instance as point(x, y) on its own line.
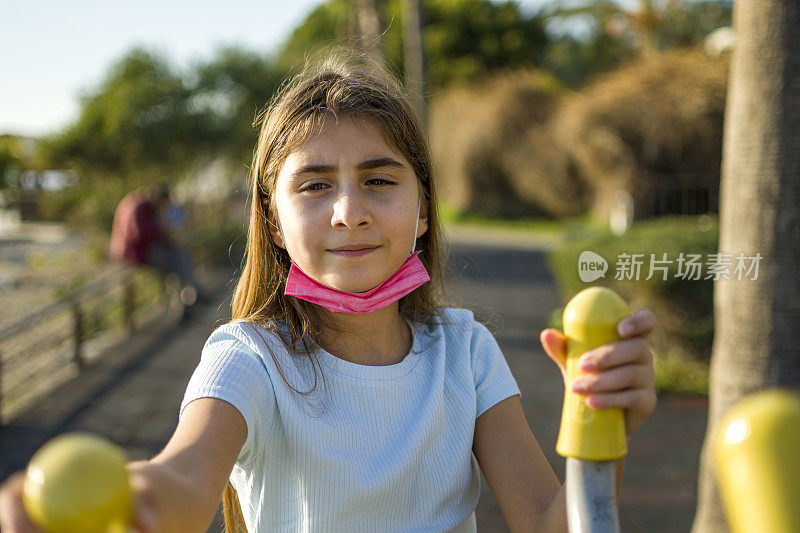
point(591, 266)
point(687, 266)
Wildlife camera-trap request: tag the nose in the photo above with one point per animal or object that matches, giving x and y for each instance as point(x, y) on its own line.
point(350, 211)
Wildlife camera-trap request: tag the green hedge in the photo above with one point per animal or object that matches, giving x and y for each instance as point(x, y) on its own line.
point(682, 340)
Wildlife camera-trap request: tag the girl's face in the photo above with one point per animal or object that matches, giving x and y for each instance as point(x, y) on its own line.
point(347, 188)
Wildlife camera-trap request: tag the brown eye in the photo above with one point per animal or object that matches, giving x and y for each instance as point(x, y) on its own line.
point(381, 182)
point(314, 187)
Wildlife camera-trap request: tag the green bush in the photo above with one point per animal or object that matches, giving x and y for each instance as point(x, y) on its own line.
point(682, 340)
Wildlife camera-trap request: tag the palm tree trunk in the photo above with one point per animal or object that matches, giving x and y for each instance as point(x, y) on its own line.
point(756, 320)
point(413, 57)
point(368, 21)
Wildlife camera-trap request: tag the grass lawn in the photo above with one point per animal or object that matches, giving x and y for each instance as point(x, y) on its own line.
point(567, 228)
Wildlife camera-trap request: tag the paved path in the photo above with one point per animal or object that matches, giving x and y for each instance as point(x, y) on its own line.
point(132, 394)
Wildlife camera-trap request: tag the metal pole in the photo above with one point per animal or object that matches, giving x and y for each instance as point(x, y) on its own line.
point(129, 304)
point(77, 323)
point(591, 500)
point(1, 389)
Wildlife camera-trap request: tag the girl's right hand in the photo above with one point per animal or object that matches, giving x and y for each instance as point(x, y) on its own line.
point(14, 519)
point(618, 374)
point(145, 512)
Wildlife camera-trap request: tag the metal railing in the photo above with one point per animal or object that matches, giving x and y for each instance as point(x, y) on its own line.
point(48, 343)
point(43, 340)
point(679, 194)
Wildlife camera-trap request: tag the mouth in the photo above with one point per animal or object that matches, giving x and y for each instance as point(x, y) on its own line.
point(354, 250)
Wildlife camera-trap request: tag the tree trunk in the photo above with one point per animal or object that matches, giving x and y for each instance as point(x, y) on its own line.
point(413, 57)
point(368, 22)
point(756, 320)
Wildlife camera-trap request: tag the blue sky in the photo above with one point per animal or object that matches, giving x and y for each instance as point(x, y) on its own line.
point(55, 49)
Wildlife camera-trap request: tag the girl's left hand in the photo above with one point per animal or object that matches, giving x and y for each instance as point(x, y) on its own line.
point(618, 374)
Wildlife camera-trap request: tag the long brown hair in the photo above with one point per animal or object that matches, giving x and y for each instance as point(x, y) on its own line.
point(342, 84)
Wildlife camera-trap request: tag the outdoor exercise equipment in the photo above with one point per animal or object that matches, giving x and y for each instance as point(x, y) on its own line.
point(592, 440)
point(77, 483)
point(755, 449)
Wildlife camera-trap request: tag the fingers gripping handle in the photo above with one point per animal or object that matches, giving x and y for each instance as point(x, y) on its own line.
point(590, 320)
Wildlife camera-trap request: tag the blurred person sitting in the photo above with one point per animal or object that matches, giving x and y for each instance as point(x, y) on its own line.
point(138, 236)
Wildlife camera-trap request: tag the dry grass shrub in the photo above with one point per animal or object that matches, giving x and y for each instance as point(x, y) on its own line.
point(658, 118)
point(521, 145)
point(542, 172)
point(470, 130)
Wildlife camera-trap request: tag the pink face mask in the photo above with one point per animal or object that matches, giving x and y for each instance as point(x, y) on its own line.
point(408, 277)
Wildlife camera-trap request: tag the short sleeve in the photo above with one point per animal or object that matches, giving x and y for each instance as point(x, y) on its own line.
point(493, 379)
point(232, 371)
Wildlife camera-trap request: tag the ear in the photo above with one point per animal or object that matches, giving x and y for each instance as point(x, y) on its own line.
point(273, 226)
point(423, 220)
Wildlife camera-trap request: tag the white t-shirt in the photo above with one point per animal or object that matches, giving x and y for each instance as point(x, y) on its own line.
point(372, 448)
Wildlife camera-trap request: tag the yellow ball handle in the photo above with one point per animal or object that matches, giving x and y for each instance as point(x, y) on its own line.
point(590, 320)
point(78, 483)
point(755, 450)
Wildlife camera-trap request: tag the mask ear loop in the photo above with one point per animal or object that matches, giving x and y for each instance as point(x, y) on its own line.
point(416, 227)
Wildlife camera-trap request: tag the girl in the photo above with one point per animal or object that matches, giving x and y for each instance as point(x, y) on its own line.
point(343, 396)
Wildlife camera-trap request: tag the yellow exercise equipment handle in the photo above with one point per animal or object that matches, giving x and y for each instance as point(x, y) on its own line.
point(590, 320)
point(756, 451)
point(78, 483)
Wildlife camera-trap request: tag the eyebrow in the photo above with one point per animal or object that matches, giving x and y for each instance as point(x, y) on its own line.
point(380, 162)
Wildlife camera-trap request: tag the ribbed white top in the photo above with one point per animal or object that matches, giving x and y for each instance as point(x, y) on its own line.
point(372, 448)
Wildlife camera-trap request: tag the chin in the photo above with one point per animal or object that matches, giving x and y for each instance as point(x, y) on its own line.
point(353, 286)
point(358, 288)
